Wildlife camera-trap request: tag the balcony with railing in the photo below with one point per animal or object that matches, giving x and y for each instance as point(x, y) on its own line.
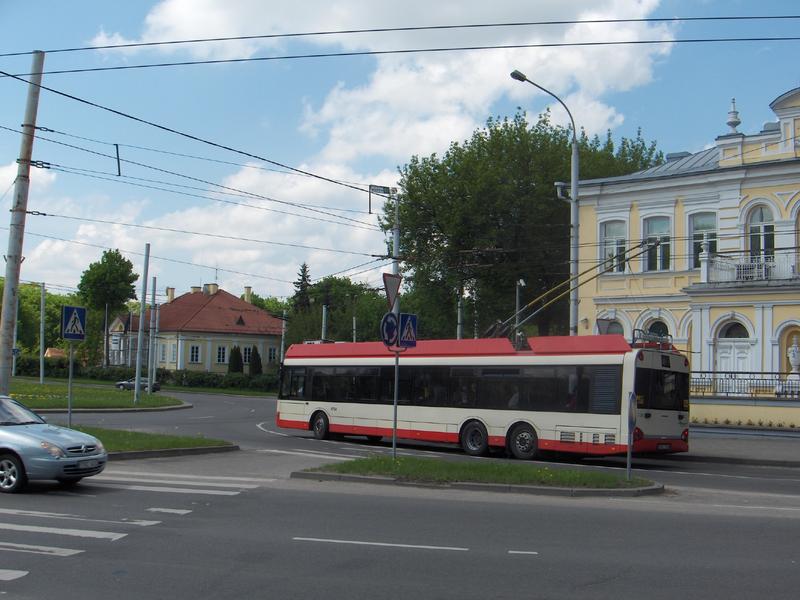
point(742, 267)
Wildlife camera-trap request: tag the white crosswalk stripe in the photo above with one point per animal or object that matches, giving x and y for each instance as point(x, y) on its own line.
point(84, 533)
point(9, 575)
point(31, 549)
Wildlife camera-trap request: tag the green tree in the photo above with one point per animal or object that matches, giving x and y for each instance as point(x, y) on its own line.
point(256, 368)
point(106, 284)
point(344, 299)
point(300, 300)
point(235, 363)
point(484, 215)
point(272, 304)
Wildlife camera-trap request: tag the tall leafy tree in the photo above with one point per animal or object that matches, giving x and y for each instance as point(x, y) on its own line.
point(106, 283)
point(484, 215)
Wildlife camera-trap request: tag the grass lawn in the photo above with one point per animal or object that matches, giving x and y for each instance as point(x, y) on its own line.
point(440, 471)
point(54, 395)
point(117, 440)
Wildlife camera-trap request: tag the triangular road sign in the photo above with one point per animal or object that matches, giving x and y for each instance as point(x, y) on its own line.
point(391, 284)
point(74, 325)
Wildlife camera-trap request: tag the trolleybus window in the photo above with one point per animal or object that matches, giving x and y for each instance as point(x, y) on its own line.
point(661, 390)
point(293, 383)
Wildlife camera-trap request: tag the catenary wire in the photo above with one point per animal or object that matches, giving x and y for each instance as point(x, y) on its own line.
point(354, 53)
point(200, 233)
point(197, 179)
point(412, 29)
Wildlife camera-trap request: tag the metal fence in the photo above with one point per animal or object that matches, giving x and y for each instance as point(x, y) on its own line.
point(749, 384)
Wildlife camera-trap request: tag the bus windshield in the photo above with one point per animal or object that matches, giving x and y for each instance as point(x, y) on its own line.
point(660, 389)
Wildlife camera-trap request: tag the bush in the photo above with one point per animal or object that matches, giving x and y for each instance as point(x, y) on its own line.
point(28, 365)
point(235, 364)
point(256, 367)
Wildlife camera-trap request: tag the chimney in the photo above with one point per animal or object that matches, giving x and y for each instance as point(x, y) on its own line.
point(248, 294)
point(195, 289)
point(170, 294)
point(209, 289)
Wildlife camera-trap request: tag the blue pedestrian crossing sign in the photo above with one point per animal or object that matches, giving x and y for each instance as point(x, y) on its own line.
point(408, 331)
point(73, 323)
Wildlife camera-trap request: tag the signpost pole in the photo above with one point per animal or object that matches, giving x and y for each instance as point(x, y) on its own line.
point(69, 387)
point(396, 395)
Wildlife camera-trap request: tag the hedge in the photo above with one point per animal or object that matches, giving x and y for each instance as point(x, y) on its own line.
point(59, 367)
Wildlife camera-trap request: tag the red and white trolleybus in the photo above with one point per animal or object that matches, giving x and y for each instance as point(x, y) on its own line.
point(565, 394)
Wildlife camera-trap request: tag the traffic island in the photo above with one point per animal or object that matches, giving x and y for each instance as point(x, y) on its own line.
point(484, 476)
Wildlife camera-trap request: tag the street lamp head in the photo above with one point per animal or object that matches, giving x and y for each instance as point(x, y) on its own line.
point(521, 283)
point(518, 75)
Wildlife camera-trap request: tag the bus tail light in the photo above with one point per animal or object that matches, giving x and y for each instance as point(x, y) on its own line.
point(685, 362)
point(640, 356)
point(638, 434)
point(685, 435)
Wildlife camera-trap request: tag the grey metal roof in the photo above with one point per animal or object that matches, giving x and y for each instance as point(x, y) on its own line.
point(705, 160)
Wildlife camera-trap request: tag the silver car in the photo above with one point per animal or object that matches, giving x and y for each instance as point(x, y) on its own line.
point(32, 449)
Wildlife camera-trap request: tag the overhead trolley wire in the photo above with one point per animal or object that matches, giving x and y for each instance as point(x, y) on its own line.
point(433, 50)
point(181, 133)
point(416, 28)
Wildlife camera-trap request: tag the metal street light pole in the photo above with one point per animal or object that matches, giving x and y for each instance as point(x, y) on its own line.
point(520, 284)
point(573, 246)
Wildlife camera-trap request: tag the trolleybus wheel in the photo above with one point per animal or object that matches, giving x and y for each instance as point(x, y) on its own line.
point(474, 439)
point(523, 442)
point(320, 426)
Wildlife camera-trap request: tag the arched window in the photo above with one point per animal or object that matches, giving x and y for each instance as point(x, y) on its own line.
point(612, 244)
point(703, 229)
point(657, 237)
point(761, 233)
point(615, 327)
point(658, 328)
point(734, 331)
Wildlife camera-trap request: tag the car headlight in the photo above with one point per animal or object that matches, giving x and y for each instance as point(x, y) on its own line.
point(54, 450)
point(100, 447)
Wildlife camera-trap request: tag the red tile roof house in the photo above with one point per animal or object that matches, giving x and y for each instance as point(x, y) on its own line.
point(196, 331)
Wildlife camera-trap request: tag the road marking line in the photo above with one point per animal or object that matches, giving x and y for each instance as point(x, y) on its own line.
point(171, 511)
point(9, 575)
point(48, 550)
point(259, 425)
point(46, 515)
point(246, 486)
point(86, 533)
point(309, 454)
point(523, 552)
point(170, 490)
point(114, 472)
point(383, 544)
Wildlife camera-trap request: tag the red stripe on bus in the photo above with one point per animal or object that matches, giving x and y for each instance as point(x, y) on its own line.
point(288, 424)
point(656, 445)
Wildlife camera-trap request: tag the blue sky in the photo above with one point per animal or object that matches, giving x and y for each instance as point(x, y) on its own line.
point(354, 119)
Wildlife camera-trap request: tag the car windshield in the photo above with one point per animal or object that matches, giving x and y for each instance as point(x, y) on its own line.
point(13, 413)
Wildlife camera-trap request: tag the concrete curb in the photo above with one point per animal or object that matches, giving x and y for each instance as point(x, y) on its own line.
point(656, 488)
point(170, 452)
point(51, 411)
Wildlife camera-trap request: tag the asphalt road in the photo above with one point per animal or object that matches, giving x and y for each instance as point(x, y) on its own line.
point(234, 525)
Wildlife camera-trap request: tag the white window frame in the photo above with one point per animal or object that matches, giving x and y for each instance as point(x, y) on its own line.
point(247, 351)
point(174, 353)
point(272, 355)
point(662, 252)
point(617, 246)
point(708, 236)
point(222, 355)
point(163, 353)
point(195, 355)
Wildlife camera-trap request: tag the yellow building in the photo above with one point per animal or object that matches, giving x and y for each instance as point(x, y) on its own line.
point(705, 248)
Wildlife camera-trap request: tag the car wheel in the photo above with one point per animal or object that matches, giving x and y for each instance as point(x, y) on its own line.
point(12, 474)
point(523, 442)
point(320, 426)
point(120, 387)
point(474, 439)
